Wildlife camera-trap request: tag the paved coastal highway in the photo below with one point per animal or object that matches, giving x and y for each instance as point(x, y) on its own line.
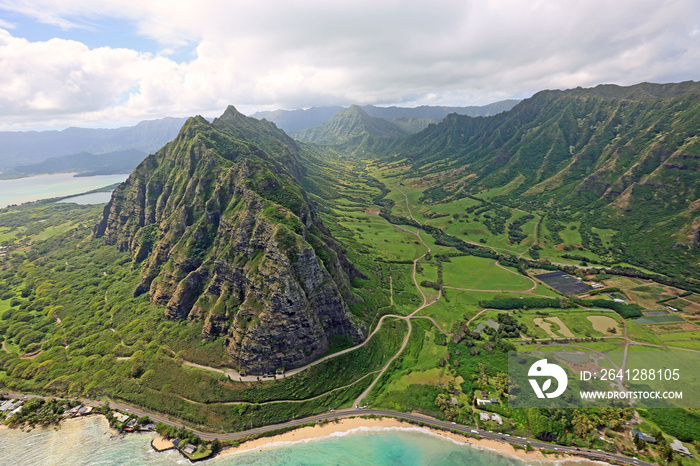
point(342, 413)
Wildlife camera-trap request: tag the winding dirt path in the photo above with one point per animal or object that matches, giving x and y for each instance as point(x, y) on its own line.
point(426, 303)
point(22, 356)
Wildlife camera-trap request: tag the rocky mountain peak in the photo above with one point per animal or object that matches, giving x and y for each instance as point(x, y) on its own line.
point(224, 234)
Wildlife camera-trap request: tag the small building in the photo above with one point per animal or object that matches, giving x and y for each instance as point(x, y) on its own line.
point(494, 325)
point(642, 436)
point(481, 402)
point(189, 448)
point(484, 417)
point(10, 405)
point(495, 401)
point(14, 411)
point(454, 400)
point(121, 417)
point(497, 418)
point(679, 448)
point(672, 308)
point(74, 410)
point(131, 423)
point(487, 323)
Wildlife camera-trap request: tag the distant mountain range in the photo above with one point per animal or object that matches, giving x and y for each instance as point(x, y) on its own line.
point(32, 147)
point(24, 153)
point(83, 163)
point(297, 120)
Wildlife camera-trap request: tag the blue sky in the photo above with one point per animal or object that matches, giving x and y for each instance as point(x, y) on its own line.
point(111, 63)
point(96, 32)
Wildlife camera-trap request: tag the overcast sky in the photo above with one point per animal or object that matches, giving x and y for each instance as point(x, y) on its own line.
point(108, 63)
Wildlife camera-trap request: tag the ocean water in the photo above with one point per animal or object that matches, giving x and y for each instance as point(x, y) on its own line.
point(34, 188)
point(90, 442)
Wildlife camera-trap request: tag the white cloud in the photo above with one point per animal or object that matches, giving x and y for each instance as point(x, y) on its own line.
point(270, 54)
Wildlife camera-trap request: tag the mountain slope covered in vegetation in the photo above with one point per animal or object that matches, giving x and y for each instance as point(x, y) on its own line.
point(614, 157)
point(224, 233)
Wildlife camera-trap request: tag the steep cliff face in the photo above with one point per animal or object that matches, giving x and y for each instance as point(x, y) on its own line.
point(224, 233)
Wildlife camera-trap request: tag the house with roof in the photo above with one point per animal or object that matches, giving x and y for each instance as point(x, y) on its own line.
point(484, 417)
point(679, 448)
point(482, 402)
point(10, 405)
point(189, 449)
point(642, 436)
point(14, 411)
point(495, 417)
point(121, 417)
point(487, 323)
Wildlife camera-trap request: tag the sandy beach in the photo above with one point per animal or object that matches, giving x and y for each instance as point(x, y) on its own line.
point(161, 444)
point(346, 425)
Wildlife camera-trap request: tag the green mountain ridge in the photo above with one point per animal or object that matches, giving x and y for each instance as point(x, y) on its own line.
point(297, 120)
point(225, 234)
point(609, 154)
point(236, 246)
point(349, 126)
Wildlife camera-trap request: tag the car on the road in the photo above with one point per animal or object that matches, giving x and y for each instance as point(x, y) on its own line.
point(474, 432)
point(454, 423)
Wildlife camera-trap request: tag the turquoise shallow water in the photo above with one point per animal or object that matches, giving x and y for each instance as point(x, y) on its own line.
point(47, 186)
point(90, 442)
point(380, 447)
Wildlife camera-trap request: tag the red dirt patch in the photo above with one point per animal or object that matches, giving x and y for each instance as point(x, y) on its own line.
point(687, 326)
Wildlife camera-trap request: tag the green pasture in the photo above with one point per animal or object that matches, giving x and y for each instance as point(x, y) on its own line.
point(637, 332)
point(541, 289)
point(606, 235)
point(385, 240)
point(682, 339)
point(481, 273)
point(678, 303)
point(502, 190)
point(435, 248)
point(459, 305)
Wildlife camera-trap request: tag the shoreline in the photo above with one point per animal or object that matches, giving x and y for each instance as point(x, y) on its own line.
point(349, 425)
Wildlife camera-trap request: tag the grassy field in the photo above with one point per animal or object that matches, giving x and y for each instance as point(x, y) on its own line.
point(641, 334)
point(459, 305)
point(682, 339)
point(480, 273)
